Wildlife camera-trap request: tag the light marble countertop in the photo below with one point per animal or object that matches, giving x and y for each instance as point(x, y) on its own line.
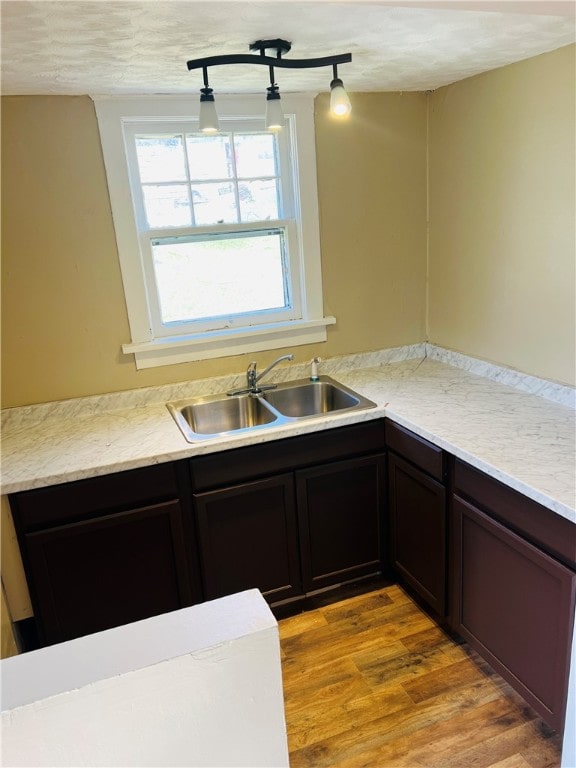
point(522, 439)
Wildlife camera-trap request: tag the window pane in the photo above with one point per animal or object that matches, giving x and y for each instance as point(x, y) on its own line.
point(220, 275)
point(209, 157)
point(258, 200)
point(214, 203)
point(167, 205)
point(161, 158)
point(255, 154)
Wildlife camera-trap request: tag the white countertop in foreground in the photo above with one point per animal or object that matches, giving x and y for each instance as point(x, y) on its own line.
point(523, 440)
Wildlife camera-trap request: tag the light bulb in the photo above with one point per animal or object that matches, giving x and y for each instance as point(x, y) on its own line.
point(339, 101)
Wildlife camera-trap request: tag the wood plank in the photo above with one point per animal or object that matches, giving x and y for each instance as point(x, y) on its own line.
point(514, 761)
point(341, 683)
point(432, 637)
point(360, 604)
point(382, 670)
point(306, 728)
point(437, 681)
point(509, 743)
point(303, 622)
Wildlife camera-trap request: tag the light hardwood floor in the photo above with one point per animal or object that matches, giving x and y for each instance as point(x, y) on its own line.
point(372, 682)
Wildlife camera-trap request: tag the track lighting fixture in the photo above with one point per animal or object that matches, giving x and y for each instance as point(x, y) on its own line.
point(339, 101)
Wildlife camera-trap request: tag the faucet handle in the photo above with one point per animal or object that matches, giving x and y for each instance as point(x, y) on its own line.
point(251, 375)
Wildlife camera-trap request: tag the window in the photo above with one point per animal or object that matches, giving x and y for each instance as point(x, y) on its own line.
point(217, 233)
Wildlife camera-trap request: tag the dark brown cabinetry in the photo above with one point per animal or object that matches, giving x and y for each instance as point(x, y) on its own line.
point(105, 551)
point(417, 505)
point(293, 516)
point(248, 538)
point(513, 598)
point(339, 514)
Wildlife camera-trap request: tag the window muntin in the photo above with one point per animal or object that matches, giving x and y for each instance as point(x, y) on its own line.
point(191, 179)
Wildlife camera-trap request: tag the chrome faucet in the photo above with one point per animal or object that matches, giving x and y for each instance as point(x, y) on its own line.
point(252, 377)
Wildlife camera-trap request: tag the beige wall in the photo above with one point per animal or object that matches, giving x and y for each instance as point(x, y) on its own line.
point(8, 642)
point(63, 311)
point(502, 186)
point(372, 196)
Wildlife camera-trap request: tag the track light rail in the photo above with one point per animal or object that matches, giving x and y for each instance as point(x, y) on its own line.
point(269, 61)
point(280, 46)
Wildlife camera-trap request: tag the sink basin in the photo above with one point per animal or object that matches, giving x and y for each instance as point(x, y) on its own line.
point(217, 415)
point(311, 399)
point(202, 418)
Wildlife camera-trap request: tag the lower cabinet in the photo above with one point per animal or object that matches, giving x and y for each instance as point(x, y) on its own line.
point(311, 518)
point(418, 531)
point(339, 514)
point(418, 515)
point(514, 603)
point(101, 573)
point(294, 533)
point(248, 537)
point(106, 551)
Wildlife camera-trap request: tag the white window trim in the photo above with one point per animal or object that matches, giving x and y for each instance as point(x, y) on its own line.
point(151, 352)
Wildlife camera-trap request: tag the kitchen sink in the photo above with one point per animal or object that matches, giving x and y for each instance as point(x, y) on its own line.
point(214, 415)
point(311, 399)
point(203, 418)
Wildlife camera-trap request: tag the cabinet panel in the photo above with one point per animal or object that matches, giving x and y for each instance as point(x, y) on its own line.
point(254, 461)
point(59, 504)
point(339, 512)
point(420, 452)
point(516, 607)
point(108, 571)
point(553, 533)
point(418, 531)
point(248, 538)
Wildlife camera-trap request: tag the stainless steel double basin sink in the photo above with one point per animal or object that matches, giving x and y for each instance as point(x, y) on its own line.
point(204, 418)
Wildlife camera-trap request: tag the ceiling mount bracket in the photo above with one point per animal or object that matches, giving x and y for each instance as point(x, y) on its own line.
point(278, 45)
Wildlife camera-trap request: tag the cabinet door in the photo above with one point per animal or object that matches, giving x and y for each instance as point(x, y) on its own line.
point(516, 607)
point(418, 531)
point(339, 514)
point(248, 538)
point(107, 571)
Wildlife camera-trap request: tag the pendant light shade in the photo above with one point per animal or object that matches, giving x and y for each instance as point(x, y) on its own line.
point(339, 101)
point(274, 114)
point(208, 115)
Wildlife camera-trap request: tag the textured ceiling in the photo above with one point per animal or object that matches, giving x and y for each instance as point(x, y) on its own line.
point(141, 46)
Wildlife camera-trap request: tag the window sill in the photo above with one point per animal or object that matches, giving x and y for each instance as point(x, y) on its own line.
point(224, 343)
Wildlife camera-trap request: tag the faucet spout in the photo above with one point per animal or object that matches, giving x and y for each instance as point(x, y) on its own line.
point(252, 378)
point(272, 365)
